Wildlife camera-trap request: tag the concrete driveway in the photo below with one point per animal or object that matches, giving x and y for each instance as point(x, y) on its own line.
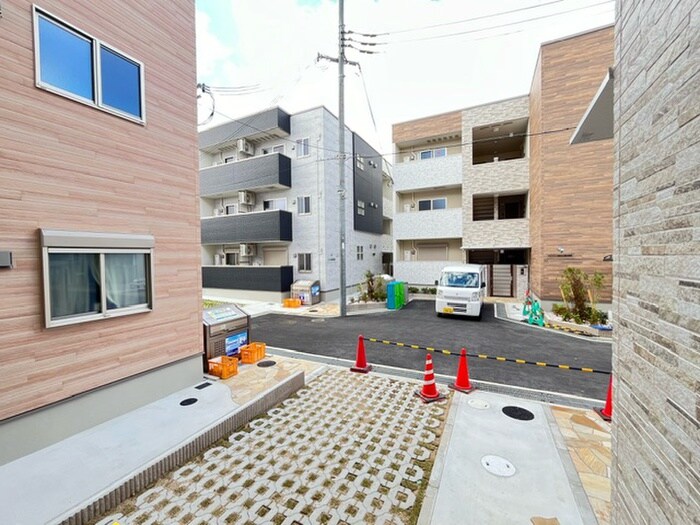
point(418, 324)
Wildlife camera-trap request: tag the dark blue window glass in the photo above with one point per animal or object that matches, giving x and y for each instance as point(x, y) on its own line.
point(66, 59)
point(121, 82)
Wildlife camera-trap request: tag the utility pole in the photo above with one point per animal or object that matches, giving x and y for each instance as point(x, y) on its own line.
point(341, 154)
point(341, 60)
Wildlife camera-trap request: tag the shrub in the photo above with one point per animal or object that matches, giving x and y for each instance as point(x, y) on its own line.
point(373, 288)
point(576, 286)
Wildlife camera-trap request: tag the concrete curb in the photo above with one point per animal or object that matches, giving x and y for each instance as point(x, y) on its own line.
point(429, 500)
point(111, 497)
point(504, 317)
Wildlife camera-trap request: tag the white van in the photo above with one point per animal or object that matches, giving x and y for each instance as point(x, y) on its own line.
point(461, 290)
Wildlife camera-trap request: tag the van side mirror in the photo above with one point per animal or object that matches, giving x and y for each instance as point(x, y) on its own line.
point(483, 284)
point(436, 282)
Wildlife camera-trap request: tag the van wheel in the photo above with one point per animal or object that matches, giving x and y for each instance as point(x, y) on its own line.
point(439, 314)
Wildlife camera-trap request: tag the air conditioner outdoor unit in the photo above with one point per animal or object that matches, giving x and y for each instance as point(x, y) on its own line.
point(247, 250)
point(244, 147)
point(218, 212)
point(246, 197)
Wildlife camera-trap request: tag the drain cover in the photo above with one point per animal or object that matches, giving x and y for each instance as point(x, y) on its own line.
point(265, 364)
point(498, 466)
point(203, 385)
point(478, 403)
point(189, 401)
point(518, 413)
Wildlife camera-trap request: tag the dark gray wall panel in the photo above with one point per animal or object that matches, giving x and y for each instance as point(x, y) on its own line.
point(244, 127)
point(265, 170)
point(273, 225)
point(367, 186)
point(264, 278)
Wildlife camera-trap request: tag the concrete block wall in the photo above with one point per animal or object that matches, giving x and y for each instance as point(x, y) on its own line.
point(656, 296)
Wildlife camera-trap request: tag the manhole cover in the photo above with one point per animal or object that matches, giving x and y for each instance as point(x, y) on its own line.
point(498, 466)
point(189, 401)
point(265, 364)
point(478, 403)
point(518, 413)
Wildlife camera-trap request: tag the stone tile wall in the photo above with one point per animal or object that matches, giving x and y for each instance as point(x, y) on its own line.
point(656, 296)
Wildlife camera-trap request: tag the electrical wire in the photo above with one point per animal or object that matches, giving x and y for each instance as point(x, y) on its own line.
point(455, 22)
point(497, 26)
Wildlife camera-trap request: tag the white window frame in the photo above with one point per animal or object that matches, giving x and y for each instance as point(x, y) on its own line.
point(229, 159)
point(58, 241)
point(96, 69)
point(302, 259)
point(432, 203)
point(443, 152)
point(304, 205)
point(360, 252)
point(360, 162)
point(303, 149)
point(427, 157)
point(278, 148)
point(275, 202)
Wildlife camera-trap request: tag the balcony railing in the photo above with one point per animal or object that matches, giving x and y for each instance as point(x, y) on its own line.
point(264, 172)
point(274, 225)
point(503, 233)
point(434, 224)
point(432, 173)
point(261, 278)
point(264, 125)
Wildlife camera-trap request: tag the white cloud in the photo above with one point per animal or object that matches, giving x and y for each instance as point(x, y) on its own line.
point(273, 42)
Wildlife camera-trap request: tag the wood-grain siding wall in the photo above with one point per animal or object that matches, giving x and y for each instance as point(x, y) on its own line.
point(570, 186)
point(434, 126)
point(65, 165)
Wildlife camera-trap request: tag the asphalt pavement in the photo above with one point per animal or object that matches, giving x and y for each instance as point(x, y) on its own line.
point(417, 324)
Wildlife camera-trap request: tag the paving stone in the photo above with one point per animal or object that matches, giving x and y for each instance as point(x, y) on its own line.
point(337, 451)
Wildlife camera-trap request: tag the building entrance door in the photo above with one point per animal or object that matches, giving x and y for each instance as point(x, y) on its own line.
point(502, 280)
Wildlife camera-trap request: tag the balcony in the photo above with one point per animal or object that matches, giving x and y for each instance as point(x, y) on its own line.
point(273, 225)
point(266, 125)
point(499, 177)
point(387, 208)
point(431, 173)
point(387, 244)
point(504, 233)
point(261, 173)
point(260, 278)
point(434, 224)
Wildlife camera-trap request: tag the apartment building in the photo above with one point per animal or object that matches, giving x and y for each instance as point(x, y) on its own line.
point(270, 205)
point(500, 185)
point(571, 186)
point(428, 196)
point(99, 248)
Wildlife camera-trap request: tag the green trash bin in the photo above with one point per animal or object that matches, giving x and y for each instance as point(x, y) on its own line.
point(400, 295)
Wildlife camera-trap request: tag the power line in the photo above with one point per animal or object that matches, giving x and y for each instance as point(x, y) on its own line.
point(496, 26)
point(455, 22)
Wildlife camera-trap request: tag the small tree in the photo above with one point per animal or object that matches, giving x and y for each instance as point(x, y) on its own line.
point(577, 290)
point(373, 288)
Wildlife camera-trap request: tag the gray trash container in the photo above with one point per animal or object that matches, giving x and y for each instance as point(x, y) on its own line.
point(309, 292)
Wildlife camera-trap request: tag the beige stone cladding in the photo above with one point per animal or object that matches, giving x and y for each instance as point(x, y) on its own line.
point(493, 178)
point(69, 165)
point(656, 298)
point(570, 186)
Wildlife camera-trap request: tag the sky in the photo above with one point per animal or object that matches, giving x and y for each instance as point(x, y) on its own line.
point(432, 56)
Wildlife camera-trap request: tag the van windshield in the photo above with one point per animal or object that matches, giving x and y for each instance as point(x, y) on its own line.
point(460, 279)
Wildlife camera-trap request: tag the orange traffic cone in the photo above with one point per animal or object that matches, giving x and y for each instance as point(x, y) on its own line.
point(361, 365)
point(430, 392)
point(462, 383)
point(606, 413)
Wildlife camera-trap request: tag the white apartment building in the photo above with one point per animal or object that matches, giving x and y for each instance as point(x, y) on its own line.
point(270, 205)
point(461, 183)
